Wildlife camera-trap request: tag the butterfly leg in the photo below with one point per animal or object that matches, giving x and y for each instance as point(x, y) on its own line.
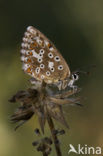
point(37, 84)
point(67, 93)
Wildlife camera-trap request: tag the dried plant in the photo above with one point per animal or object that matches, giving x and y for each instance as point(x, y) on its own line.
point(47, 104)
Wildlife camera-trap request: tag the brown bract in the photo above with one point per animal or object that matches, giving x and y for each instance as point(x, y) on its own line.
point(43, 102)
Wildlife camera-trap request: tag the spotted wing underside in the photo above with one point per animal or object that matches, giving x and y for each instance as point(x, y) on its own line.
point(41, 59)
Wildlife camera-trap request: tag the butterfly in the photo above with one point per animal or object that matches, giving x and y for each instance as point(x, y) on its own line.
point(43, 62)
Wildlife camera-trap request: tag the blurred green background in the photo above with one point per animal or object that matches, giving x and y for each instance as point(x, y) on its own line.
point(76, 28)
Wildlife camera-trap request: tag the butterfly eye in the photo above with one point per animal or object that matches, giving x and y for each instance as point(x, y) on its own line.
point(75, 77)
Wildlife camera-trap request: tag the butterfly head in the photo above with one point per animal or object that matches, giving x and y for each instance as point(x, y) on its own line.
point(75, 77)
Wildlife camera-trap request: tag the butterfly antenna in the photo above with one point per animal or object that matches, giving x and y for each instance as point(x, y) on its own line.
point(80, 70)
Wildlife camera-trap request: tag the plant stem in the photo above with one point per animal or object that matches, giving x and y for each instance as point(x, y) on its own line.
point(44, 154)
point(55, 139)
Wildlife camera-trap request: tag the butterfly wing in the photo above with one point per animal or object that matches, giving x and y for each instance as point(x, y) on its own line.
point(41, 59)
